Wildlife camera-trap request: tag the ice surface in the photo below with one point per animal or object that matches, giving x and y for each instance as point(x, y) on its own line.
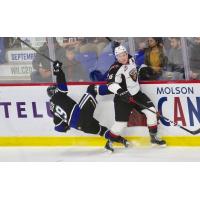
point(59, 154)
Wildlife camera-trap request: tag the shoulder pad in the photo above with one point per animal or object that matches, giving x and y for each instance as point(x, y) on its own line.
point(114, 66)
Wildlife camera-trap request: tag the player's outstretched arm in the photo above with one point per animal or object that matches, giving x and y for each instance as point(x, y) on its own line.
point(60, 76)
point(103, 90)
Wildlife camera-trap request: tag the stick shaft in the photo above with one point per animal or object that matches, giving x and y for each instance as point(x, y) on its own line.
point(109, 39)
point(172, 122)
point(28, 45)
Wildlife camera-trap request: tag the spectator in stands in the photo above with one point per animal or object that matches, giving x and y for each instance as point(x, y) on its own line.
point(101, 43)
point(73, 69)
point(175, 67)
point(155, 57)
point(122, 41)
point(140, 53)
point(88, 45)
point(195, 59)
point(42, 66)
point(175, 57)
point(12, 42)
point(71, 42)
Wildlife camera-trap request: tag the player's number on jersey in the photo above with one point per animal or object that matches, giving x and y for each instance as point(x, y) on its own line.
point(61, 112)
point(110, 76)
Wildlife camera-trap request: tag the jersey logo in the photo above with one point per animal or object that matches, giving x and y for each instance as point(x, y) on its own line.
point(133, 74)
point(125, 67)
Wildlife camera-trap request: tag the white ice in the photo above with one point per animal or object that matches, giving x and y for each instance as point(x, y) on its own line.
point(65, 154)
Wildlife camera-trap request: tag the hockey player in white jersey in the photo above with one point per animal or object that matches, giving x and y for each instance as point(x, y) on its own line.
point(123, 82)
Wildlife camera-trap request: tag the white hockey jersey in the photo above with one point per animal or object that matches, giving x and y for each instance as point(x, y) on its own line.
point(124, 76)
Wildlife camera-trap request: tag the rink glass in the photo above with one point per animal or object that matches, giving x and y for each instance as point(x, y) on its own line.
point(87, 59)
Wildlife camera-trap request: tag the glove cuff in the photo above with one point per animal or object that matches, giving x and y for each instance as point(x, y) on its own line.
point(122, 92)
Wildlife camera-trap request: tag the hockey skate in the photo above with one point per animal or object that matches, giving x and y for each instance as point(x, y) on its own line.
point(124, 142)
point(121, 140)
point(108, 147)
point(157, 141)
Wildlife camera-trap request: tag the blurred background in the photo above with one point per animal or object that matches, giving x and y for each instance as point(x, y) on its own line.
point(87, 59)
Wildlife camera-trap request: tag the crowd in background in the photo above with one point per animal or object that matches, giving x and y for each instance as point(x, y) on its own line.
point(88, 59)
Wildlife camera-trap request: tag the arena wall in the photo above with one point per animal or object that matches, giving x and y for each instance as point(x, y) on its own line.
point(26, 120)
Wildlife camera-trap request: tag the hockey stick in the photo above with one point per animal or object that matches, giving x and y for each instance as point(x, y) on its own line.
point(28, 45)
point(109, 39)
point(113, 42)
point(167, 119)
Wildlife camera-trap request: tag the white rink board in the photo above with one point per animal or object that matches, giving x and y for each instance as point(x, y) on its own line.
point(21, 102)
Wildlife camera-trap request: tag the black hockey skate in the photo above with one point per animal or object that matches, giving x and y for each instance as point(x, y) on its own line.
point(124, 142)
point(108, 147)
point(155, 140)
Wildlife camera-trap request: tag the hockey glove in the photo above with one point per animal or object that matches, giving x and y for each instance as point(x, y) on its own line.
point(56, 67)
point(125, 96)
point(63, 127)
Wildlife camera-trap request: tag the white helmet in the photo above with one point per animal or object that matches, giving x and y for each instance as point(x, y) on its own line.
point(120, 49)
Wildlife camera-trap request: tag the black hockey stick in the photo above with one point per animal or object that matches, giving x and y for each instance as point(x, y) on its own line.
point(114, 43)
point(28, 45)
point(109, 39)
point(167, 119)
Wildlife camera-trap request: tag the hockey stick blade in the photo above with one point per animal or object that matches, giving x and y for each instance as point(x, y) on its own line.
point(195, 132)
point(185, 129)
point(170, 121)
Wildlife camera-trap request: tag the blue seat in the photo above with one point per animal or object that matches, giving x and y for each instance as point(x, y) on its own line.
point(105, 60)
point(139, 58)
point(88, 60)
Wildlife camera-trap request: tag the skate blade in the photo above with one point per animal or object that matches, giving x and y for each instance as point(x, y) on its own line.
point(130, 145)
point(157, 145)
point(108, 151)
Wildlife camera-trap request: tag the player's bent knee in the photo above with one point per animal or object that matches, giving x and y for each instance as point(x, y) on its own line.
point(89, 100)
point(151, 117)
point(118, 127)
